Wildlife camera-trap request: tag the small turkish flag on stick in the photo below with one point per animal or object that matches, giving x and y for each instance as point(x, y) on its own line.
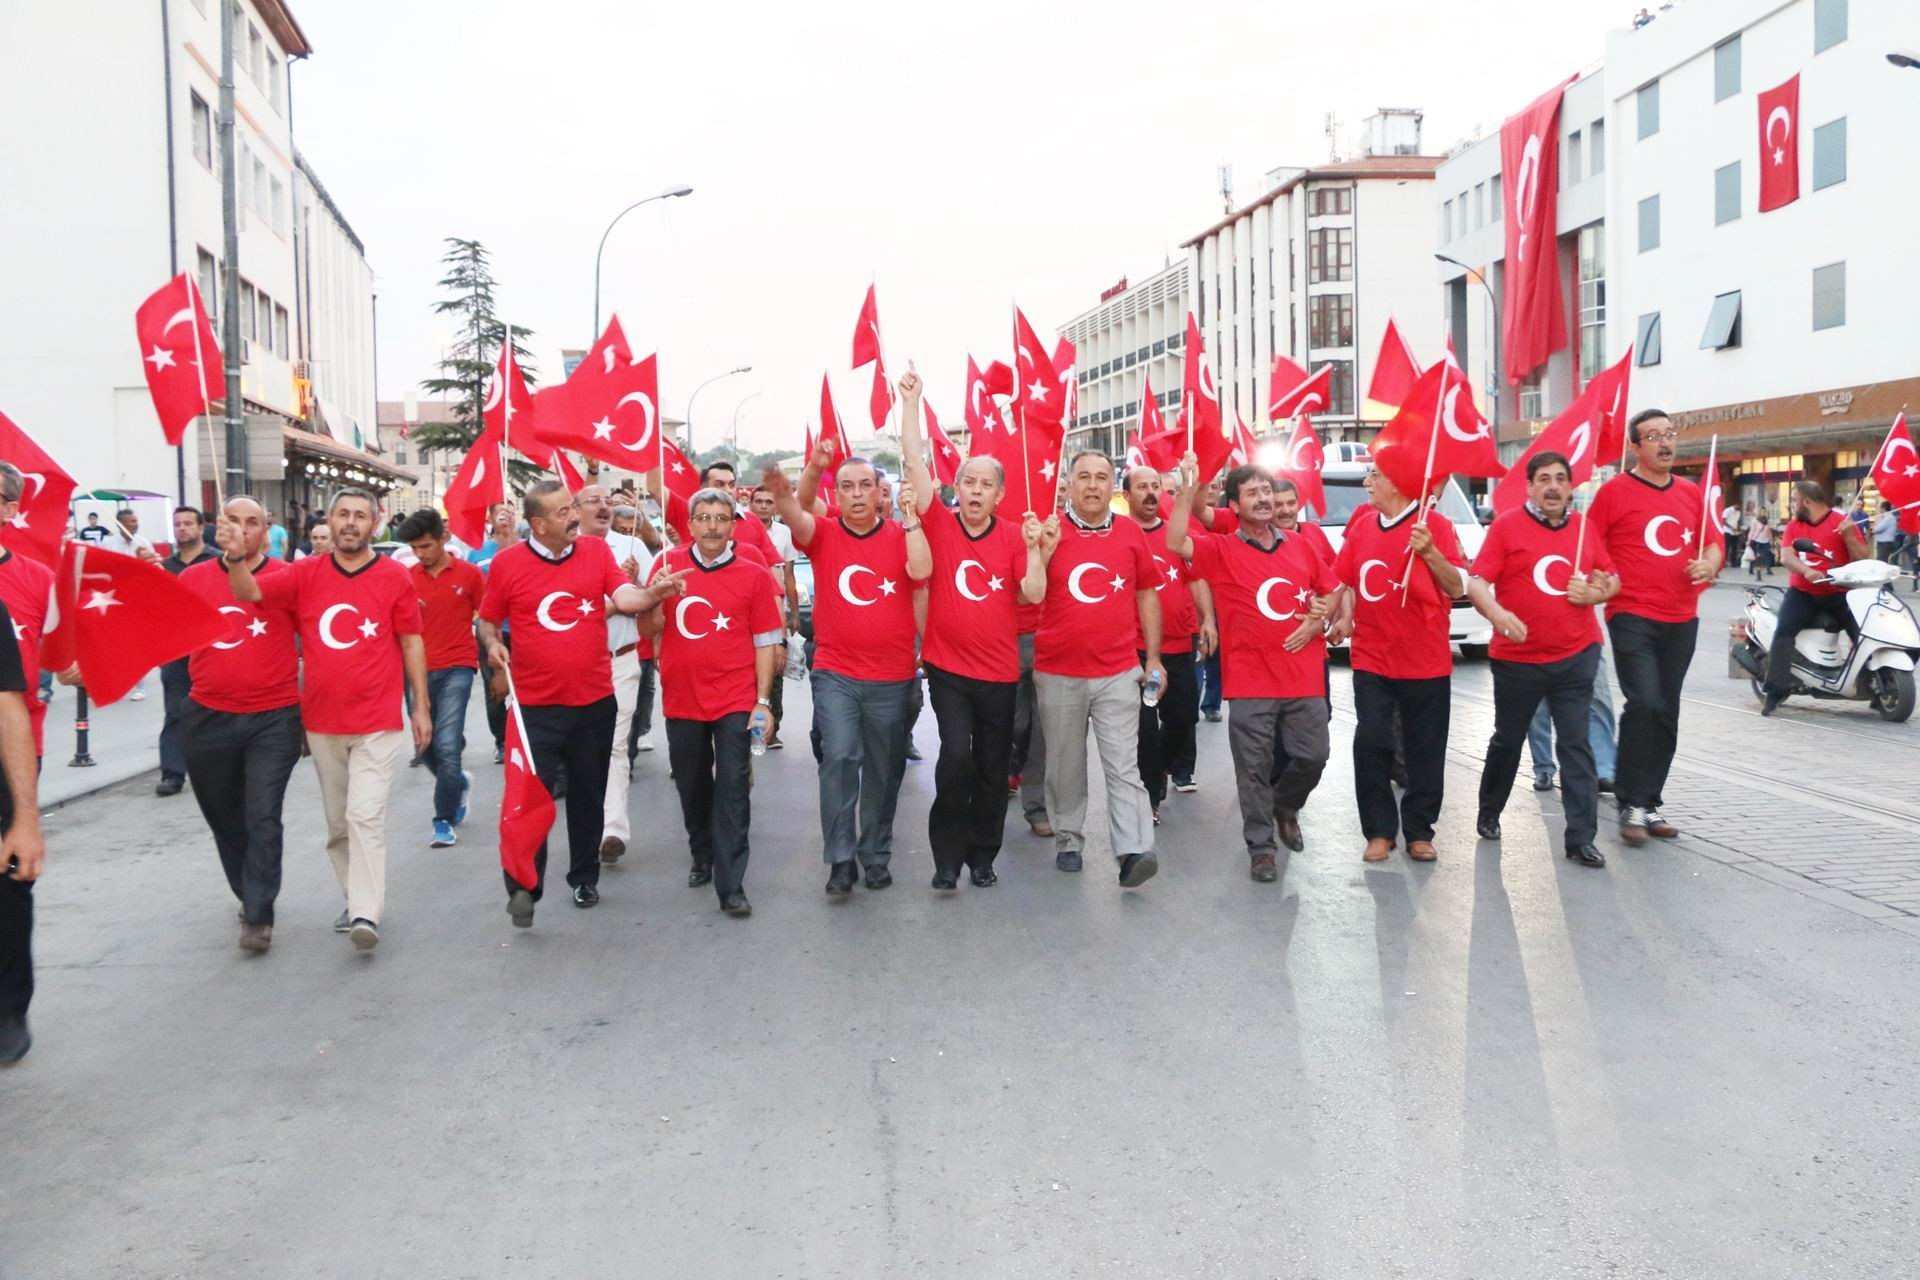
point(120, 618)
point(526, 806)
point(178, 354)
point(36, 528)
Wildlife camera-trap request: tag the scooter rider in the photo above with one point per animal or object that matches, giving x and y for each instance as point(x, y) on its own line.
point(1818, 540)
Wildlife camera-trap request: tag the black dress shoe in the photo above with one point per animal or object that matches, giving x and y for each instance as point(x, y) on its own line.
point(736, 904)
point(1606, 786)
point(1067, 860)
point(169, 786)
point(699, 876)
point(1772, 704)
point(945, 881)
point(1137, 868)
point(878, 877)
point(840, 883)
point(1488, 825)
point(984, 878)
point(1587, 856)
point(15, 1040)
point(1288, 827)
point(586, 895)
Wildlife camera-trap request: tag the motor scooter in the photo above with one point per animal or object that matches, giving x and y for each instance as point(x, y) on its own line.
point(1879, 669)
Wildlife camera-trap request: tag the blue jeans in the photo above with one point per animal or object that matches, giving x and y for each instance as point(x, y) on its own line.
point(863, 754)
point(1209, 673)
point(1599, 730)
point(447, 692)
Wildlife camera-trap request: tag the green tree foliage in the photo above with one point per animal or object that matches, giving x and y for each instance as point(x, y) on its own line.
point(469, 360)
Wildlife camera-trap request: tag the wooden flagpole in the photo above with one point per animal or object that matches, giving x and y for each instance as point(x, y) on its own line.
point(197, 308)
point(1426, 481)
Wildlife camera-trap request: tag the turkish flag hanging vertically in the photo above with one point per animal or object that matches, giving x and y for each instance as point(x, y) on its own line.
point(942, 453)
point(614, 416)
point(1306, 460)
point(1431, 427)
point(1199, 396)
point(1780, 145)
point(120, 618)
point(832, 430)
point(681, 480)
point(1587, 431)
point(476, 489)
point(1534, 324)
point(1394, 369)
point(1896, 468)
point(1291, 390)
point(508, 410)
point(1038, 397)
point(866, 331)
point(1064, 358)
point(880, 396)
point(179, 355)
point(41, 521)
point(526, 806)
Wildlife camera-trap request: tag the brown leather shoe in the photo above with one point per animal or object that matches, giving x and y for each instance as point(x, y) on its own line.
point(256, 937)
point(1659, 828)
point(1377, 850)
point(1288, 826)
point(612, 849)
point(1421, 850)
point(1041, 827)
point(1633, 827)
point(1264, 870)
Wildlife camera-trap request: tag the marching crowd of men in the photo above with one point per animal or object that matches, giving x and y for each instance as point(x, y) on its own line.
point(1037, 636)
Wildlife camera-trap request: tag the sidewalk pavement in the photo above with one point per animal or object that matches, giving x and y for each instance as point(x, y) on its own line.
point(124, 741)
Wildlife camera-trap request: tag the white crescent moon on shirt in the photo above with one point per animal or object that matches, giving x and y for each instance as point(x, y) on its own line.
point(230, 644)
point(1073, 582)
point(1540, 574)
point(1263, 597)
point(1364, 593)
point(545, 615)
point(680, 617)
point(645, 437)
point(960, 579)
point(326, 627)
point(846, 584)
point(1652, 536)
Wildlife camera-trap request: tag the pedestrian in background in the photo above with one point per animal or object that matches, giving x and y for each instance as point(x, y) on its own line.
point(1733, 525)
point(1886, 533)
point(1760, 544)
point(449, 589)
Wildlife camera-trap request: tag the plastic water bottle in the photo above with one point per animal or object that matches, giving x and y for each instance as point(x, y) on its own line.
point(757, 739)
point(1150, 692)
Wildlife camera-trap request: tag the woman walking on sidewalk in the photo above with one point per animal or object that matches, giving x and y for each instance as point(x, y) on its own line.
point(1760, 542)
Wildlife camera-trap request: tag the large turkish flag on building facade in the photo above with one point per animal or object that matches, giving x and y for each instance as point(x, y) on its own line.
point(1780, 145)
point(1534, 325)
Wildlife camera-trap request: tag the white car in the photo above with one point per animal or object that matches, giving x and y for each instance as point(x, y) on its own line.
point(1346, 494)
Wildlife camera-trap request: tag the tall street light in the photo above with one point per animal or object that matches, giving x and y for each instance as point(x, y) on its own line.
point(745, 368)
point(668, 194)
point(1902, 58)
point(734, 433)
point(1493, 331)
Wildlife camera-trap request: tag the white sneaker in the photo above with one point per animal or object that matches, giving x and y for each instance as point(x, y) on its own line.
point(646, 744)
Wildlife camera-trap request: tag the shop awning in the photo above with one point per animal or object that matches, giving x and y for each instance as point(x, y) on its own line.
point(348, 459)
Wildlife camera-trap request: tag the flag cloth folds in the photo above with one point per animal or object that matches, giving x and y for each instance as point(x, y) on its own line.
point(1429, 429)
point(1780, 145)
point(1291, 390)
point(1394, 369)
point(37, 527)
point(526, 807)
point(1064, 358)
point(179, 355)
point(120, 618)
point(1243, 444)
point(866, 331)
point(1533, 323)
point(612, 416)
point(1306, 461)
point(942, 453)
point(509, 410)
point(1896, 468)
point(476, 489)
point(832, 430)
point(880, 397)
point(1038, 398)
point(1586, 431)
point(1199, 397)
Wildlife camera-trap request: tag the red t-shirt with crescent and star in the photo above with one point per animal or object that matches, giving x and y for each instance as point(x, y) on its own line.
point(1650, 531)
point(257, 666)
point(1527, 563)
point(448, 601)
point(1401, 641)
point(1179, 616)
point(1260, 596)
point(558, 612)
point(350, 629)
point(1825, 534)
point(26, 586)
point(1092, 620)
point(862, 601)
point(973, 597)
point(706, 643)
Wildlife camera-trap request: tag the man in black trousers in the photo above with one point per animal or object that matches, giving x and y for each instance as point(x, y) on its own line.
point(189, 548)
point(21, 849)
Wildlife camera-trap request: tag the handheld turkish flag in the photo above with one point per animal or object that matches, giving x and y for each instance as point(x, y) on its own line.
point(1291, 391)
point(1306, 460)
point(1199, 397)
point(614, 417)
point(880, 397)
point(1896, 468)
point(866, 331)
point(832, 429)
point(1394, 369)
point(1151, 423)
point(1157, 449)
point(999, 379)
point(1038, 398)
point(1430, 438)
point(682, 481)
point(526, 806)
point(944, 454)
point(1064, 358)
point(1030, 455)
point(1533, 324)
point(179, 355)
point(120, 618)
point(37, 527)
point(509, 410)
point(1586, 431)
point(983, 416)
point(1244, 444)
point(476, 489)
point(566, 415)
point(1780, 145)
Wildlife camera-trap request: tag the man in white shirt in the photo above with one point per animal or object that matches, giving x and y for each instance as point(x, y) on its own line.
point(760, 507)
point(623, 639)
point(126, 538)
point(1733, 523)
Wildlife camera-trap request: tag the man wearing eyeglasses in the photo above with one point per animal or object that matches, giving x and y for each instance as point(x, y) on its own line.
point(1650, 522)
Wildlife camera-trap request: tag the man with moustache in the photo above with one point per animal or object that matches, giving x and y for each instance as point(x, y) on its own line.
point(1649, 521)
point(1166, 746)
point(1546, 645)
point(982, 566)
point(1812, 599)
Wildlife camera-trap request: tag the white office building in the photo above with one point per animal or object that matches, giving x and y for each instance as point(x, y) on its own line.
point(1787, 333)
point(1313, 269)
point(1133, 338)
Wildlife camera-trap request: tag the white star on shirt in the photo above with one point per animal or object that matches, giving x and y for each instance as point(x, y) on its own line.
point(586, 607)
point(1303, 595)
point(995, 584)
point(1118, 582)
point(369, 628)
point(603, 429)
point(257, 627)
point(160, 359)
point(886, 586)
point(1173, 573)
point(101, 600)
point(1686, 539)
point(721, 622)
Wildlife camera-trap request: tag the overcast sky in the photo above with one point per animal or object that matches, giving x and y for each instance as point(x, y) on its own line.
point(960, 157)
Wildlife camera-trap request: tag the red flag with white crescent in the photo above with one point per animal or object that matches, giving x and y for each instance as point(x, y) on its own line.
point(476, 489)
point(880, 397)
point(866, 331)
point(178, 354)
point(1244, 444)
point(1780, 145)
point(1394, 369)
point(1432, 428)
point(1896, 468)
point(1039, 398)
point(1533, 323)
point(120, 617)
point(1584, 433)
point(1291, 390)
point(40, 520)
point(1305, 461)
point(614, 417)
point(943, 454)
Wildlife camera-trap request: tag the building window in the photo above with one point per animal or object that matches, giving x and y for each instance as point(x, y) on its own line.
point(200, 120)
point(1726, 69)
point(256, 55)
point(1494, 198)
point(275, 90)
point(262, 201)
point(1479, 205)
point(1572, 166)
point(1330, 320)
point(279, 207)
point(1723, 324)
point(1649, 224)
point(1340, 389)
point(1830, 296)
point(1830, 154)
point(246, 312)
point(1460, 208)
point(1330, 201)
point(1593, 300)
point(1829, 24)
point(1647, 105)
point(1646, 340)
point(1329, 254)
point(1446, 221)
point(1533, 396)
point(1726, 194)
point(209, 285)
point(280, 331)
point(1597, 147)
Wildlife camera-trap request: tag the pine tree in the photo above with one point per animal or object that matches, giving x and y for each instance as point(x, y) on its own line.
point(469, 361)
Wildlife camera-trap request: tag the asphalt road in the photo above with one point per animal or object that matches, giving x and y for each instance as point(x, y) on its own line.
point(1691, 1064)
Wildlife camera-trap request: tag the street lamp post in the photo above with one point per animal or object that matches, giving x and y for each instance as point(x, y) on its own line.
point(734, 433)
point(1905, 59)
point(1493, 332)
point(669, 193)
point(745, 368)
